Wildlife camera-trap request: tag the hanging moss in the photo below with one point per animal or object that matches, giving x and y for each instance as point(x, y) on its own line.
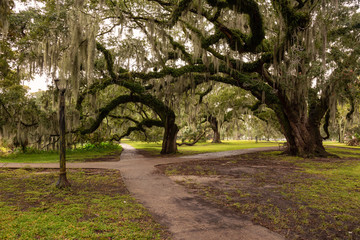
point(181, 8)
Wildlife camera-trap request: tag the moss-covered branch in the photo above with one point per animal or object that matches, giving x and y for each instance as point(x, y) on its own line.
point(177, 45)
point(255, 66)
point(326, 125)
point(236, 39)
point(203, 94)
point(140, 127)
point(124, 117)
point(104, 112)
point(193, 142)
point(293, 17)
point(93, 89)
point(156, 105)
point(108, 59)
point(180, 9)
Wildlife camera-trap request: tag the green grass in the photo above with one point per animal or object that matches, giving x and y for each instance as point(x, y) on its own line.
point(97, 206)
point(206, 147)
point(334, 191)
point(76, 155)
point(337, 144)
point(337, 185)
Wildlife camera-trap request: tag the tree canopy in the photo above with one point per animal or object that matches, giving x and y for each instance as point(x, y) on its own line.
point(136, 63)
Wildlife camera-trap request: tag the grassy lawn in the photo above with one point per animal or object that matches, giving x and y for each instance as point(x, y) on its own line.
point(337, 144)
point(86, 153)
point(299, 198)
point(97, 206)
point(155, 148)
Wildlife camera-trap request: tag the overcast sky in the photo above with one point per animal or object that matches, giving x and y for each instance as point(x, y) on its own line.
point(39, 83)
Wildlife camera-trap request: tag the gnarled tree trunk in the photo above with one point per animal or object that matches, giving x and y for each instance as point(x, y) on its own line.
point(302, 130)
point(169, 140)
point(305, 140)
point(214, 124)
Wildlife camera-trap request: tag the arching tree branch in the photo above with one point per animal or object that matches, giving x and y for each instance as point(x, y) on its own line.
point(140, 127)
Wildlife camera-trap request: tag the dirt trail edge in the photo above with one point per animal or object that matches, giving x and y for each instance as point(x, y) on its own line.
point(184, 215)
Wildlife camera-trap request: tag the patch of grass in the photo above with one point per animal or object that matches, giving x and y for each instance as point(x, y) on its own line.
point(172, 171)
point(337, 144)
point(97, 206)
point(333, 193)
point(205, 147)
point(201, 170)
point(153, 148)
point(344, 152)
point(82, 154)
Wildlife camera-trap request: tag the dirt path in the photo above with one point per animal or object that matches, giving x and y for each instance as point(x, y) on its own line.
point(184, 214)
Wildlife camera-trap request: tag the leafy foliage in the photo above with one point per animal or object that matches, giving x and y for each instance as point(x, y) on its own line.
point(137, 60)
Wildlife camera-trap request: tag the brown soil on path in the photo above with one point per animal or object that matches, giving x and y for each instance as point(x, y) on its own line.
point(240, 184)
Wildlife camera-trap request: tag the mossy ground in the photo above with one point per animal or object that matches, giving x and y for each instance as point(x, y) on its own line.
point(299, 198)
point(97, 206)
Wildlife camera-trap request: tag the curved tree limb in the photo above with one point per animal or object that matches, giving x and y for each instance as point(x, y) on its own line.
point(194, 142)
point(203, 94)
point(180, 9)
point(140, 127)
point(326, 125)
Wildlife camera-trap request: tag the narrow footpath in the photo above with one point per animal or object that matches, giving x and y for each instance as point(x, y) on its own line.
point(184, 215)
point(172, 206)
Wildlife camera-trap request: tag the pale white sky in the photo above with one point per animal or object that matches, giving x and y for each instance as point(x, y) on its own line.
point(24, 5)
point(38, 83)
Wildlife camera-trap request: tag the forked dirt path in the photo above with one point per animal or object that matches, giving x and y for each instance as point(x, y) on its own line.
point(184, 214)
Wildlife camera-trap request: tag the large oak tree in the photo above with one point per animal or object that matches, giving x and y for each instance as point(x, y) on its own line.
point(278, 51)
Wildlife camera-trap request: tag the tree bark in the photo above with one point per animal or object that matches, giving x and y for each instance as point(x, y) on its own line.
point(342, 130)
point(302, 133)
point(305, 140)
point(169, 145)
point(341, 135)
point(214, 124)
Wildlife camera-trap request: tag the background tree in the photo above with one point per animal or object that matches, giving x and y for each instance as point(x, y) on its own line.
point(225, 104)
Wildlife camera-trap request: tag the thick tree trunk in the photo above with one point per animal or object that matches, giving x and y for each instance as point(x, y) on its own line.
point(214, 124)
point(169, 140)
point(216, 138)
point(305, 141)
point(303, 134)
